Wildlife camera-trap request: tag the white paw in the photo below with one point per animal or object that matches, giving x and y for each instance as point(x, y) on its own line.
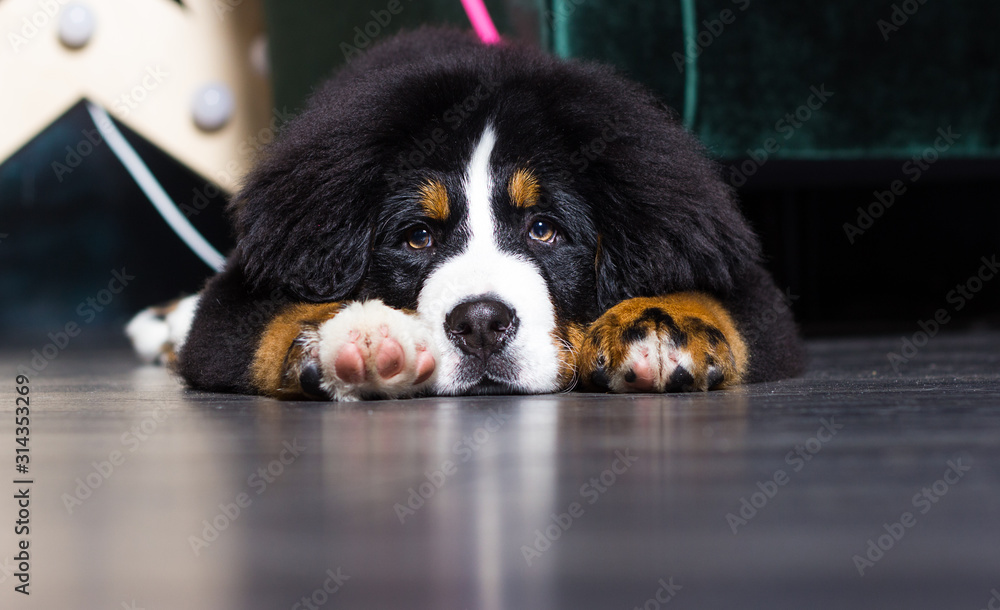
point(158, 333)
point(372, 350)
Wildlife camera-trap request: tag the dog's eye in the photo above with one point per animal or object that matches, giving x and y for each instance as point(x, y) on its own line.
point(542, 230)
point(419, 238)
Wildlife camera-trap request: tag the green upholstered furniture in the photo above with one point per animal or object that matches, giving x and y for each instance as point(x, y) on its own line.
point(898, 71)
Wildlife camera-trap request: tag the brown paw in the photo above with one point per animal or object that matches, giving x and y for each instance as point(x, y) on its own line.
point(678, 343)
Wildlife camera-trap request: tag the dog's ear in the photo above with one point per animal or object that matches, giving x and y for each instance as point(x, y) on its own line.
point(304, 217)
point(667, 221)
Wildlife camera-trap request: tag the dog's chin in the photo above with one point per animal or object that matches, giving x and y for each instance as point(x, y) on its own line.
point(497, 377)
point(517, 369)
point(476, 379)
point(487, 386)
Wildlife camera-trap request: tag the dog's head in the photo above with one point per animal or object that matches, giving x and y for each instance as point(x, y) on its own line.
point(508, 197)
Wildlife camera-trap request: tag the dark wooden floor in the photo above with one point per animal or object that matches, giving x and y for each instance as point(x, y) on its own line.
point(514, 502)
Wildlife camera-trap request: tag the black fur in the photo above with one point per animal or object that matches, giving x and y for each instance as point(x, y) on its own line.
point(641, 210)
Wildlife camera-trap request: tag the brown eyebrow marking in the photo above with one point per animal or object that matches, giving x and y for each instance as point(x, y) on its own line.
point(434, 200)
point(524, 189)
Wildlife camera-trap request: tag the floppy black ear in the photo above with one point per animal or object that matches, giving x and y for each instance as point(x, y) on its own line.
point(668, 222)
point(304, 217)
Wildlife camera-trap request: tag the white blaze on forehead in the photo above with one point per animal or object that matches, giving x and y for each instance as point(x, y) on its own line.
point(483, 269)
point(479, 192)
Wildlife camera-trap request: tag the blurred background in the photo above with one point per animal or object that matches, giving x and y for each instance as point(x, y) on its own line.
point(863, 137)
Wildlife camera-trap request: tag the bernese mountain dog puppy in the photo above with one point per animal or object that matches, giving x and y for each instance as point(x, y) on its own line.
point(451, 218)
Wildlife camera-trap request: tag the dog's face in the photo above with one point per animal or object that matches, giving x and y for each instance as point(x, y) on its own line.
point(509, 202)
point(497, 259)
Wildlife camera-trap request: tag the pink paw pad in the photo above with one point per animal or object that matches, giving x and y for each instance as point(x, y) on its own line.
point(390, 357)
point(425, 365)
point(350, 365)
point(641, 377)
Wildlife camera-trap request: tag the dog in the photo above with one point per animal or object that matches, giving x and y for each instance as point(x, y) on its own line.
point(451, 218)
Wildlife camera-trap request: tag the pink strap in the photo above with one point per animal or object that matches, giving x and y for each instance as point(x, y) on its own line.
point(480, 18)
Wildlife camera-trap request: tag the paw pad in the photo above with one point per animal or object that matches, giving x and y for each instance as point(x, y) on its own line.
point(370, 349)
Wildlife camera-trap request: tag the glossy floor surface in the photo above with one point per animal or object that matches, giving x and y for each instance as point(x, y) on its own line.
point(852, 487)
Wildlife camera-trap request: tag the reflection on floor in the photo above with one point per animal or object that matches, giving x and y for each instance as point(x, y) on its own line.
point(853, 487)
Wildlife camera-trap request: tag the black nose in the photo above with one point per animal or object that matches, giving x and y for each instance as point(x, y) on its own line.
point(480, 327)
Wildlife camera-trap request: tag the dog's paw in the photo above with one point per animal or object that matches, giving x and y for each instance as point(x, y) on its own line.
point(367, 350)
point(158, 333)
point(678, 343)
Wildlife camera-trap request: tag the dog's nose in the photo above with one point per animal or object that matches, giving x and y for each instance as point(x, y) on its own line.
point(480, 327)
